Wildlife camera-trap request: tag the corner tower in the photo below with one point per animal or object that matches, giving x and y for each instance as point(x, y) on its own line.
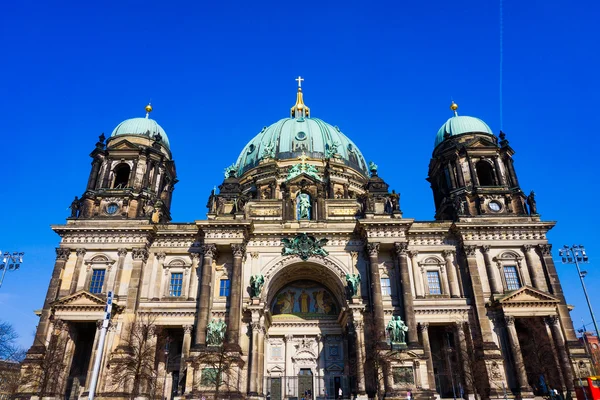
point(132, 176)
point(472, 173)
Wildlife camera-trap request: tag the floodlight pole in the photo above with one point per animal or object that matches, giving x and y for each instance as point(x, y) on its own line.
point(10, 261)
point(574, 255)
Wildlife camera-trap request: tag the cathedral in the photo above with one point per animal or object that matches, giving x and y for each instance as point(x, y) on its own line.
point(306, 280)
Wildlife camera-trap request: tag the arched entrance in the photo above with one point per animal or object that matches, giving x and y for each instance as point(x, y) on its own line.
point(307, 347)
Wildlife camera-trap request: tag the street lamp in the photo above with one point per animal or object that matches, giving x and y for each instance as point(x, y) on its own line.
point(575, 255)
point(10, 262)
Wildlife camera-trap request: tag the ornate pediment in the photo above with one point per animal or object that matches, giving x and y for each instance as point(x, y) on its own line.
point(125, 145)
point(83, 301)
point(527, 296)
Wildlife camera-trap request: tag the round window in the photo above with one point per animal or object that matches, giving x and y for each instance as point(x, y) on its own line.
point(494, 206)
point(300, 135)
point(112, 208)
point(250, 148)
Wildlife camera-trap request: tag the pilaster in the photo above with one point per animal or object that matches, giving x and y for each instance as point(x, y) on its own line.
point(407, 296)
point(210, 252)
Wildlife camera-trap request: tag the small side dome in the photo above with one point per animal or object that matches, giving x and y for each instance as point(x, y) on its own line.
point(460, 124)
point(142, 127)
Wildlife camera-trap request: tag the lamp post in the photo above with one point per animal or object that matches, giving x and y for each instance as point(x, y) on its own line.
point(10, 262)
point(575, 255)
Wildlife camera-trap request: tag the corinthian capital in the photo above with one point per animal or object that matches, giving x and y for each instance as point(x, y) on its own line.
point(509, 320)
point(140, 254)
point(551, 320)
point(209, 250)
point(238, 250)
point(122, 252)
point(545, 249)
point(81, 252)
point(527, 248)
point(401, 248)
point(373, 249)
point(62, 253)
point(448, 253)
point(470, 250)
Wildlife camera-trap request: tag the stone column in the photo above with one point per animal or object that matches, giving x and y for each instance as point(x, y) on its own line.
point(489, 268)
point(288, 355)
point(253, 387)
point(451, 174)
point(360, 356)
point(557, 360)
point(534, 272)
point(559, 343)
point(187, 341)
point(459, 173)
point(321, 354)
point(122, 252)
point(474, 177)
point(210, 252)
point(499, 174)
point(260, 376)
point(93, 355)
point(373, 249)
point(195, 275)
point(235, 302)
point(462, 345)
point(563, 312)
point(78, 264)
point(452, 276)
point(517, 355)
point(62, 255)
point(94, 174)
point(424, 328)
point(140, 255)
point(478, 297)
point(418, 277)
point(407, 296)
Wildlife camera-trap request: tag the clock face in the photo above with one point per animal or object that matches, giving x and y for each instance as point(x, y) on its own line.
point(494, 206)
point(112, 208)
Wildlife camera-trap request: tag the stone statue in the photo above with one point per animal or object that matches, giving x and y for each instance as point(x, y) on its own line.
point(303, 206)
point(256, 285)
point(215, 332)
point(531, 203)
point(397, 329)
point(331, 149)
point(459, 206)
point(395, 199)
point(269, 151)
point(353, 281)
point(75, 207)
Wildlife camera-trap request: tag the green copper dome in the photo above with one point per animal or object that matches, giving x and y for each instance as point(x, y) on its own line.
point(141, 127)
point(289, 137)
point(460, 124)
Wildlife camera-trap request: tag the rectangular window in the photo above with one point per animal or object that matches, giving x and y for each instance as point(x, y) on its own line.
point(386, 289)
point(97, 281)
point(512, 277)
point(176, 284)
point(224, 287)
point(433, 282)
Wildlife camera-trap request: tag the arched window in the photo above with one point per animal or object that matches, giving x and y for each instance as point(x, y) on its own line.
point(485, 173)
point(303, 206)
point(121, 176)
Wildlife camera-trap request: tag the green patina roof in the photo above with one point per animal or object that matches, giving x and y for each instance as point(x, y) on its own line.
point(141, 127)
point(460, 124)
point(289, 137)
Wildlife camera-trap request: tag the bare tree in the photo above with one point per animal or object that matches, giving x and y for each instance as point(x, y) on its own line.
point(9, 350)
point(133, 364)
point(218, 370)
point(43, 373)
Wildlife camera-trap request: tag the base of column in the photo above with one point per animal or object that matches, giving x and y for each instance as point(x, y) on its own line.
point(362, 397)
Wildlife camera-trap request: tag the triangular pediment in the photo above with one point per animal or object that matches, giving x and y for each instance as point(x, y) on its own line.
point(527, 294)
point(303, 176)
point(83, 300)
point(125, 145)
point(480, 142)
point(334, 368)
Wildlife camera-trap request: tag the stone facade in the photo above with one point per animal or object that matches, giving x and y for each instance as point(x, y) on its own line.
point(477, 288)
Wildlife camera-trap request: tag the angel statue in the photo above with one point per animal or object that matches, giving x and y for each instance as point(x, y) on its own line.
point(215, 332)
point(397, 329)
point(256, 285)
point(353, 281)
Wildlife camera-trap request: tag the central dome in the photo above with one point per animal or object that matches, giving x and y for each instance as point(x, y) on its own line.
point(289, 137)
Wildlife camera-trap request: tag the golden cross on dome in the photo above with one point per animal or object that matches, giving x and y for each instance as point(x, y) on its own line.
point(303, 158)
point(299, 79)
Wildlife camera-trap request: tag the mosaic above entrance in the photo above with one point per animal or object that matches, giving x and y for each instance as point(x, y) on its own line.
point(304, 299)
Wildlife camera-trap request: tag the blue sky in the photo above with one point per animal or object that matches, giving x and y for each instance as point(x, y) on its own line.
point(217, 72)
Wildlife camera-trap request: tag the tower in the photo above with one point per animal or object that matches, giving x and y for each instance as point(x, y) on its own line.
point(472, 174)
point(132, 175)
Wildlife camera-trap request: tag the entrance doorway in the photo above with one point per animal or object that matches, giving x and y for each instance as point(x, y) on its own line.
point(275, 390)
point(305, 383)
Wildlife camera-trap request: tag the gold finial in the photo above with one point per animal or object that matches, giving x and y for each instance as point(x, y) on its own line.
point(148, 109)
point(300, 110)
point(454, 107)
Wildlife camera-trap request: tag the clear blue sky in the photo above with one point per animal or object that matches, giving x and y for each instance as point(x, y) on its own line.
point(218, 71)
